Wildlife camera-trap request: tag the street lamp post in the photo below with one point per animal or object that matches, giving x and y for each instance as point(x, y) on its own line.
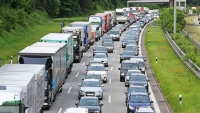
point(174, 16)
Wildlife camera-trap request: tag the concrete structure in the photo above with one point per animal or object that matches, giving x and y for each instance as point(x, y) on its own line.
point(157, 1)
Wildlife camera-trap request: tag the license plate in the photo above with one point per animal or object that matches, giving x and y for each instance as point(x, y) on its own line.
point(90, 94)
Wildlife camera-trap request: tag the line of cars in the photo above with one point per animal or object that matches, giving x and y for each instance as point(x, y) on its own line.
point(132, 72)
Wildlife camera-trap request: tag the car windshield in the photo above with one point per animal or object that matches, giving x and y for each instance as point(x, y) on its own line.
point(127, 53)
point(96, 68)
point(139, 98)
point(128, 36)
point(129, 66)
point(131, 42)
point(100, 56)
point(137, 78)
point(132, 48)
point(107, 44)
point(100, 49)
point(93, 77)
point(137, 89)
point(114, 32)
point(90, 84)
point(131, 72)
point(88, 102)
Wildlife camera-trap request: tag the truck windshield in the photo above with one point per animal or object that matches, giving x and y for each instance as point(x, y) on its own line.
point(33, 60)
point(119, 13)
point(95, 23)
point(9, 109)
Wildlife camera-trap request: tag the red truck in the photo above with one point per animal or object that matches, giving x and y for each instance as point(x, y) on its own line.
point(133, 17)
point(107, 21)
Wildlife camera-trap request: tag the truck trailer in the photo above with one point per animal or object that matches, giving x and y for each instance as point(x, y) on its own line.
point(78, 36)
point(54, 59)
point(106, 16)
point(17, 92)
point(39, 71)
point(113, 17)
point(60, 38)
point(97, 26)
point(87, 31)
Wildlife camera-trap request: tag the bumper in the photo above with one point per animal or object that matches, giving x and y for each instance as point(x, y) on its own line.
point(98, 95)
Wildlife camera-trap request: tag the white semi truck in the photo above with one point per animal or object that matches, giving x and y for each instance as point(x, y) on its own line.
point(97, 25)
point(87, 41)
point(39, 71)
point(17, 91)
point(54, 59)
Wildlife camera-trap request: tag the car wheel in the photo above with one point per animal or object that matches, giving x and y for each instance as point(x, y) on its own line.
point(120, 61)
point(79, 97)
point(121, 80)
point(101, 97)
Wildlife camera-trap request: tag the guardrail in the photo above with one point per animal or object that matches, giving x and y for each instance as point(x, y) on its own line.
point(191, 65)
point(197, 44)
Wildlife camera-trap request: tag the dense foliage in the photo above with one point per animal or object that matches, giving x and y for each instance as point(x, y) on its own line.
point(167, 19)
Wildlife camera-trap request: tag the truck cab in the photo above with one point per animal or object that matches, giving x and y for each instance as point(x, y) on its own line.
point(97, 26)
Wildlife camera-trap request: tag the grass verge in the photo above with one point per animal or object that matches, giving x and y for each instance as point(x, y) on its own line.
point(12, 42)
point(191, 28)
point(171, 73)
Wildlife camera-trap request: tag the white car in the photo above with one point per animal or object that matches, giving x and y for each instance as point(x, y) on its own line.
point(76, 110)
point(98, 69)
point(101, 57)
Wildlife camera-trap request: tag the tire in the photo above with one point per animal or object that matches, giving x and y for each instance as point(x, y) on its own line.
point(101, 97)
point(120, 61)
point(70, 70)
point(41, 111)
point(79, 97)
point(66, 75)
point(121, 79)
point(54, 98)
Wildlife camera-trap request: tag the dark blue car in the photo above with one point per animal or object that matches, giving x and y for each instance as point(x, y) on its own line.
point(91, 103)
point(137, 99)
point(126, 55)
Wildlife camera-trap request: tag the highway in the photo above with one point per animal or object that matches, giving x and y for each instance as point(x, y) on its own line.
point(114, 97)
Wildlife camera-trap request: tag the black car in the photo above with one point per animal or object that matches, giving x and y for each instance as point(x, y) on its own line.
point(100, 49)
point(125, 66)
point(91, 103)
point(131, 47)
point(126, 55)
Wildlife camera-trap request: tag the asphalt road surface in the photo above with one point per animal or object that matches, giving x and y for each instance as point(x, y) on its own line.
point(114, 97)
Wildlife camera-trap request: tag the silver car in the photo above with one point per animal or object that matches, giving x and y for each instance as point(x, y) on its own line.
point(101, 57)
point(109, 46)
point(98, 69)
point(128, 74)
point(91, 87)
point(115, 34)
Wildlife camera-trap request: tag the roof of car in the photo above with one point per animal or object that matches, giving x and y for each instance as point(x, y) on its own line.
point(101, 53)
point(137, 59)
point(97, 65)
point(128, 61)
point(135, 70)
point(140, 74)
point(91, 80)
point(137, 86)
point(95, 61)
point(89, 98)
point(138, 93)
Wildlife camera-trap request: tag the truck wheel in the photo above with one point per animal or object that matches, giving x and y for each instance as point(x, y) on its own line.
point(70, 70)
point(54, 98)
point(41, 111)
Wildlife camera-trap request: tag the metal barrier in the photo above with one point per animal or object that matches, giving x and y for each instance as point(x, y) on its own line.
point(191, 65)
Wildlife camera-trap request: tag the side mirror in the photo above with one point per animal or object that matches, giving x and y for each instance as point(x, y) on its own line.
point(86, 64)
point(127, 100)
point(86, 69)
point(76, 104)
point(148, 80)
point(120, 54)
point(93, 48)
point(101, 104)
point(79, 85)
point(151, 101)
point(125, 92)
point(102, 85)
point(149, 93)
point(106, 69)
point(119, 68)
point(83, 79)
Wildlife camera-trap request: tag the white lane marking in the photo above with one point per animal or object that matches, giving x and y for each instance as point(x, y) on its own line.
point(109, 99)
point(98, 43)
point(110, 81)
point(83, 63)
point(59, 111)
point(113, 59)
point(89, 55)
point(77, 74)
point(111, 68)
point(69, 90)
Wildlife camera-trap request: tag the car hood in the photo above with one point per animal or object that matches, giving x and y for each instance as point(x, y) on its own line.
point(139, 104)
point(90, 108)
point(138, 82)
point(90, 88)
point(100, 59)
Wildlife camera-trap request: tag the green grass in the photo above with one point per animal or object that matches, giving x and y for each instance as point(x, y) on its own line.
point(12, 43)
point(191, 28)
point(173, 76)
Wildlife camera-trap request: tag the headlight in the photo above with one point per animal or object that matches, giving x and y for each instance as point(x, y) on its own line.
point(81, 91)
point(130, 107)
point(98, 111)
point(98, 92)
point(122, 73)
point(45, 98)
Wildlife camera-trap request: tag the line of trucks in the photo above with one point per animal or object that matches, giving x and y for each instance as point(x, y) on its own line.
point(43, 67)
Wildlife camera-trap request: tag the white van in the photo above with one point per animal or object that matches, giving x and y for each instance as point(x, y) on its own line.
point(76, 110)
